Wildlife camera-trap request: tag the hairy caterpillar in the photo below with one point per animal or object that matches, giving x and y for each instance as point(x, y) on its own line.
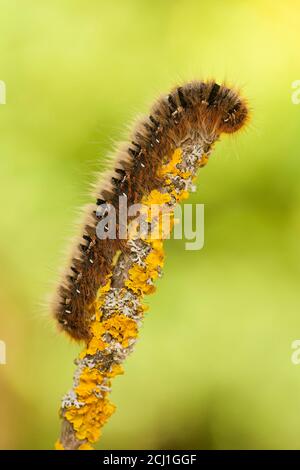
point(196, 111)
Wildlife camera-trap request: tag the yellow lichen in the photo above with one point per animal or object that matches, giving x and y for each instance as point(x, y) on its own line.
point(140, 278)
point(96, 408)
point(185, 175)
point(204, 160)
point(138, 281)
point(117, 369)
point(85, 446)
point(58, 445)
point(121, 328)
point(116, 257)
point(87, 420)
point(95, 307)
point(89, 380)
point(156, 197)
point(183, 195)
point(170, 167)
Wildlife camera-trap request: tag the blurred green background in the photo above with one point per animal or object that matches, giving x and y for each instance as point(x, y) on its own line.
point(212, 368)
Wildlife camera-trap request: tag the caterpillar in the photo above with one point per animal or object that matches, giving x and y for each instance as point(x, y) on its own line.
point(191, 113)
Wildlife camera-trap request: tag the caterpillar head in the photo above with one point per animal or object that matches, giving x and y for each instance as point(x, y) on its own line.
point(228, 108)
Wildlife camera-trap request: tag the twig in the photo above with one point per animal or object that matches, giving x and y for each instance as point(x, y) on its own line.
point(164, 154)
point(119, 309)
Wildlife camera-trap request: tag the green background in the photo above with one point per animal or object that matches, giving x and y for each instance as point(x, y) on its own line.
point(212, 368)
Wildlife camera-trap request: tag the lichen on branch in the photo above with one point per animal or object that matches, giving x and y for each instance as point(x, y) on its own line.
point(119, 311)
point(176, 141)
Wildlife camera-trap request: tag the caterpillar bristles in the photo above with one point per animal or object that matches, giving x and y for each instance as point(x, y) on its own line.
point(100, 298)
point(195, 111)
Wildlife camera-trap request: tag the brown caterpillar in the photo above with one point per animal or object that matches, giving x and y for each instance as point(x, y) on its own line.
point(197, 108)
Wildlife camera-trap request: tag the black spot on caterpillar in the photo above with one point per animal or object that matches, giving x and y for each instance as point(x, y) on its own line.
point(194, 109)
